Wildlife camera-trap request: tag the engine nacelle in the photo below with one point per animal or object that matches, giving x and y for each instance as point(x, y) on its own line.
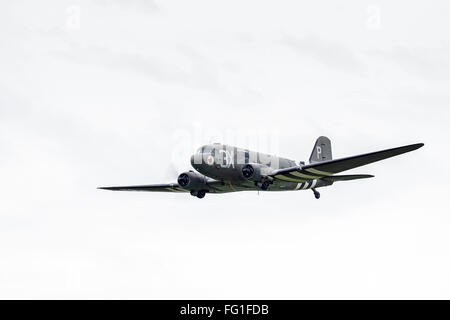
point(255, 171)
point(192, 181)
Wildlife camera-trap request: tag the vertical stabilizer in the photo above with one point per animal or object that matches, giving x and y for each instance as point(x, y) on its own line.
point(321, 151)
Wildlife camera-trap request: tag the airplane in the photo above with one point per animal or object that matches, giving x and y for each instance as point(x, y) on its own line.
point(222, 169)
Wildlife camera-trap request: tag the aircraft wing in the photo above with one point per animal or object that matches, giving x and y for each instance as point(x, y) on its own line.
point(170, 187)
point(331, 167)
point(347, 177)
point(213, 186)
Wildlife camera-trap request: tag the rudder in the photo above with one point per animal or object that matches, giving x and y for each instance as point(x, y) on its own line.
point(321, 151)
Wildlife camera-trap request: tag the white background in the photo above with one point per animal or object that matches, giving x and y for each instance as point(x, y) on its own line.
point(98, 93)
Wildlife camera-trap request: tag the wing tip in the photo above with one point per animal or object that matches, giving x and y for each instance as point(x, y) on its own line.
point(412, 147)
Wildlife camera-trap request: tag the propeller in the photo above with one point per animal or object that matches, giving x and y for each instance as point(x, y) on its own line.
point(183, 180)
point(248, 171)
point(171, 172)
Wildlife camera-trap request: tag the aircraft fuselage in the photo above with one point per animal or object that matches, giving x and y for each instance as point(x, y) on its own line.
point(225, 163)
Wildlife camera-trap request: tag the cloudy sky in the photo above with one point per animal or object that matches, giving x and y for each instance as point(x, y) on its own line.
point(116, 92)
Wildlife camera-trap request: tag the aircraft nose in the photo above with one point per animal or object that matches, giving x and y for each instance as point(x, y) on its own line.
point(193, 160)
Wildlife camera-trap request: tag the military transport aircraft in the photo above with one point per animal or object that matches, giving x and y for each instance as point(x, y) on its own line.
point(223, 169)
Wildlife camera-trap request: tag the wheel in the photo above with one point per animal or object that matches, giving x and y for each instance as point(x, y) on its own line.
point(265, 185)
point(316, 193)
point(201, 194)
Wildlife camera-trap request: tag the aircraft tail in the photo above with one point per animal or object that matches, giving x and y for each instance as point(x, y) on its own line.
point(321, 151)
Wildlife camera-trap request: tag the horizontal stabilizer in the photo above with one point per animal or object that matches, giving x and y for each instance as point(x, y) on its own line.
point(347, 177)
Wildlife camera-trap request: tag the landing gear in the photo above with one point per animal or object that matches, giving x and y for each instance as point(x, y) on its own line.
point(316, 193)
point(263, 185)
point(199, 194)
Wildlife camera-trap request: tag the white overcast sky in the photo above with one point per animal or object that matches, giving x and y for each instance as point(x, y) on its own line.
point(104, 92)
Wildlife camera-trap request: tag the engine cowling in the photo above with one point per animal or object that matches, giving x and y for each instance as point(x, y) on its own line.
point(255, 171)
point(192, 181)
